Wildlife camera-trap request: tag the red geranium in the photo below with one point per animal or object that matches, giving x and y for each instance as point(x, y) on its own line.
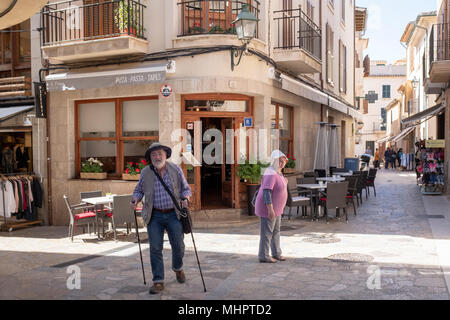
point(134, 168)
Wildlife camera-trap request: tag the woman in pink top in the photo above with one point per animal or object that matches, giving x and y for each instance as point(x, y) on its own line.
point(269, 206)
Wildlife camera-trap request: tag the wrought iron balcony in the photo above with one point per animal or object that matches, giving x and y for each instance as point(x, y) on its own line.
point(295, 29)
point(213, 16)
point(81, 20)
point(439, 56)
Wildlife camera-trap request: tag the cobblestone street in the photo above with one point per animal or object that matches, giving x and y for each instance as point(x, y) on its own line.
point(396, 247)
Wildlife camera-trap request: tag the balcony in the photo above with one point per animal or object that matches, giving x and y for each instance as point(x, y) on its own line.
point(91, 29)
point(440, 53)
point(298, 42)
point(209, 17)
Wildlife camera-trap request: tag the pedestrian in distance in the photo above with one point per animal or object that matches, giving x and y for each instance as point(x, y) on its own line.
point(269, 206)
point(394, 159)
point(376, 161)
point(399, 158)
point(159, 212)
point(387, 158)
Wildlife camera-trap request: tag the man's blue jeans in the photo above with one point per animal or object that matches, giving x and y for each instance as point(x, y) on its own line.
point(155, 229)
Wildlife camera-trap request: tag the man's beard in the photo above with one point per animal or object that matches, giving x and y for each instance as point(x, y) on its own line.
point(159, 164)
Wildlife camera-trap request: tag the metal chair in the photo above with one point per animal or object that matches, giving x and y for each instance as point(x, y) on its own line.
point(298, 202)
point(82, 218)
point(335, 198)
point(361, 184)
point(90, 194)
point(305, 192)
point(371, 181)
point(321, 173)
point(122, 214)
point(310, 175)
point(352, 190)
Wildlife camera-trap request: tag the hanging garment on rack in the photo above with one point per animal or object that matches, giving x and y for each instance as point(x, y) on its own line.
point(22, 157)
point(8, 206)
point(38, 194)
point(7, 160)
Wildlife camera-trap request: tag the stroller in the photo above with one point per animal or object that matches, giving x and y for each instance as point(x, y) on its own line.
point(365, 162)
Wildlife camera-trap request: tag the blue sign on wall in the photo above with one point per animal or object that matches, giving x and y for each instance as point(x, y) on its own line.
point(248, 122)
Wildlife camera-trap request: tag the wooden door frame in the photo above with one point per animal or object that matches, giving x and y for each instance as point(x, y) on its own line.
point(235, 116)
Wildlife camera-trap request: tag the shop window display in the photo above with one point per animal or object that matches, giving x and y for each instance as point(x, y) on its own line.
point(430, 168)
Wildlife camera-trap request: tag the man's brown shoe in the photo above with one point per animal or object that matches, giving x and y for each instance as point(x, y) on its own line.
point(156, 288)
point(181, 278)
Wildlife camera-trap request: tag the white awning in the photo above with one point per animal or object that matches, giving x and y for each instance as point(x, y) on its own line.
point(427, 113)
point(104, 79)
point(315, 95)
point(386, 139)
point(6, 113)
point(13, 12)
point(403, 134)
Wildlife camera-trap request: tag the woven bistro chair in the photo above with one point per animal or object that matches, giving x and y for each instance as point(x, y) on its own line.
point(352, 190)
point(371, 181)
point(83, 218)
point(335, 198)
point(297, 202)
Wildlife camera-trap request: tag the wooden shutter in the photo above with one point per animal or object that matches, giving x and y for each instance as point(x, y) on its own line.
point(99, 18)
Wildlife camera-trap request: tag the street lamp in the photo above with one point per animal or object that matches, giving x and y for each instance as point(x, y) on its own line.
point(245, 24)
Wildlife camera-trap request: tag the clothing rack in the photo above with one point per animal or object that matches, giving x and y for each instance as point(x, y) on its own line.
point(15, 225)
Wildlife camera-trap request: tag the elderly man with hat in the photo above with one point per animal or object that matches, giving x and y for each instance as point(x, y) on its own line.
point(160, 213)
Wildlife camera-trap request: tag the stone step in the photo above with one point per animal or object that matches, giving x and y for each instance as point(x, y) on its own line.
point(218, 214)
point(215, 223)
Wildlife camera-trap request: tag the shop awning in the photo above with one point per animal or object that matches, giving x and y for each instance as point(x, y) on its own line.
point(104, 79)
point(13, 12)
point(427, 113)
point(403, 134)
point(6, 113)
point(315, 95)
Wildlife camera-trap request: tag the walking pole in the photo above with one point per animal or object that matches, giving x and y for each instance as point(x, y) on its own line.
point(195, 248)
point(139, 242)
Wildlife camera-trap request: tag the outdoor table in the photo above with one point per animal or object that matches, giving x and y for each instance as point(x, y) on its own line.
point(331, 179)
point(344, 174)
point(316, 188)
point(98, 204)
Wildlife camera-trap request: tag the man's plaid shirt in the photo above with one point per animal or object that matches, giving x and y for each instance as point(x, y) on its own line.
point(161, 198)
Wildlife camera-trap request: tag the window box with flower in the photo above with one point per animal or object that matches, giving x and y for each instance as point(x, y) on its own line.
point(133, 170)
point(92, 169)
point(290, 166)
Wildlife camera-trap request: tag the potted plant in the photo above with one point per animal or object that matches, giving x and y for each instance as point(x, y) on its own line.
point(133, 170)
point(290, 166)
point(251, 173)
point(92, 169)
point(216, 29)
point(125, 18)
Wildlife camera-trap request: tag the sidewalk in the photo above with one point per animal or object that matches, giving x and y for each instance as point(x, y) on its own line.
point(397, 247)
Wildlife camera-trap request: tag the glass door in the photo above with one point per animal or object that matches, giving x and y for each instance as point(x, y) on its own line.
point(192, 161)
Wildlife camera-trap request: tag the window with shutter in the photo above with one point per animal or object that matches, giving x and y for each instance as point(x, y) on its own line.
point(99, 18)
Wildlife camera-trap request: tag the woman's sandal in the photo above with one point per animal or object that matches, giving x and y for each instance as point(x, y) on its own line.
point(280, 258)
point(269, 261)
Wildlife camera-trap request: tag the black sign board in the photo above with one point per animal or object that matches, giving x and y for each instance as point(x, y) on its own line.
point(40, 99)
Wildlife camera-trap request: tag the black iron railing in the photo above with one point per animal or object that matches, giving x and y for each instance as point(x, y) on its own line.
point(79, 20)
point(295, 29)
point(439, 43)
point(213, 16)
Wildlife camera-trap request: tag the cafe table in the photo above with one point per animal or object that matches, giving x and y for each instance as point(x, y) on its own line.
point(98, 203)
point(331, 179)
point(316, 188)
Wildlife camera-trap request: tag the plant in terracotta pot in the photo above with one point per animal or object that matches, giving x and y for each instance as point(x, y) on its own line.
point(290, 166)
point(127, 19)
point(133, 170)
point(251, 173)
point(92, 169)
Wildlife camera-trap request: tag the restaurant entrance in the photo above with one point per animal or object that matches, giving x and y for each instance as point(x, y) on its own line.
point(213, 143)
